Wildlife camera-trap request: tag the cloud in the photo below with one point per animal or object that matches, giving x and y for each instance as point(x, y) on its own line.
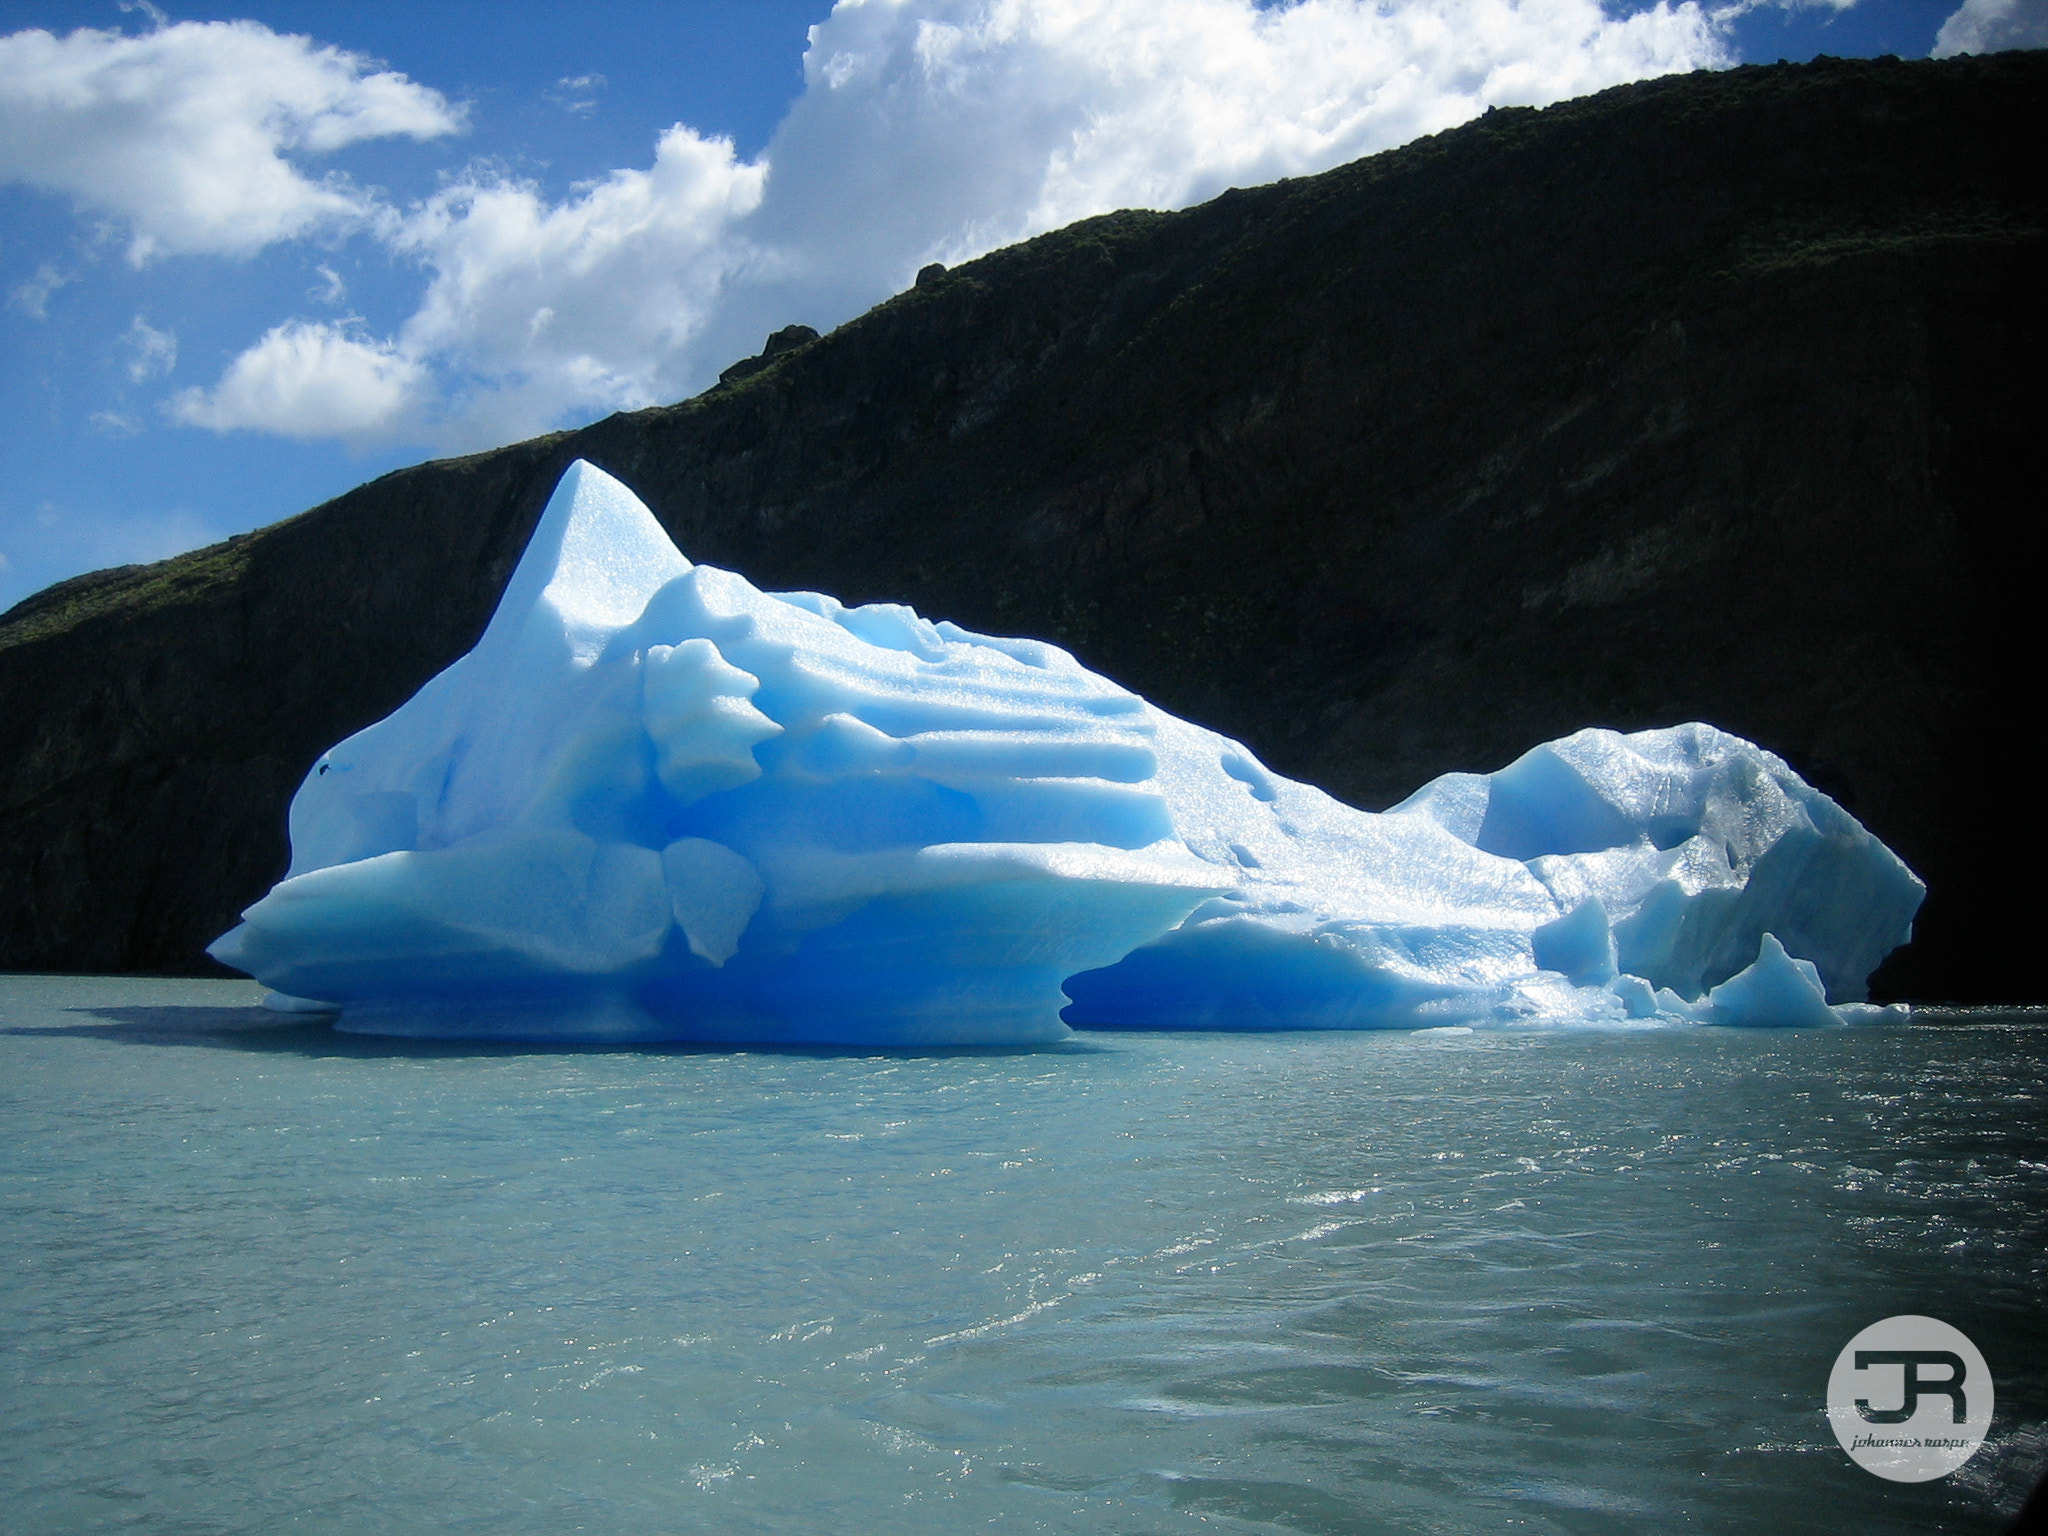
point(332, 289)
point(927, 130)
point(184, 132)
point(577, 94)
point(972, 123)
point(309, 379)
point(584, 303)
point(150, 351)
point(114, 424)
point(1991, 26)
point(32, 297)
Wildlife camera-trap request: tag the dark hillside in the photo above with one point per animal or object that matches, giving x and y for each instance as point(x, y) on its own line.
point(1717, 397)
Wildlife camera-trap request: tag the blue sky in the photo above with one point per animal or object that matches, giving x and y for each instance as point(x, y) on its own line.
point(251, 255)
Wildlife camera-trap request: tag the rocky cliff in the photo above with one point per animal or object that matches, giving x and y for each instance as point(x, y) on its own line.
point(1717, 397)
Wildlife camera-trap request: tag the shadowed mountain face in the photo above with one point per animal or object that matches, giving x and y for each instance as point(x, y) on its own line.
point(1718, 397)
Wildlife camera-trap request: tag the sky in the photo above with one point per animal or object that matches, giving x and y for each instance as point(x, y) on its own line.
point(254, 254)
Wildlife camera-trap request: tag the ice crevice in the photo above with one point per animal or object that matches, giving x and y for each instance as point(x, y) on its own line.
point(656, 803)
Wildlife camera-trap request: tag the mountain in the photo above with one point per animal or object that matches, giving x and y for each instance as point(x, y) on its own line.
point(1714, 397)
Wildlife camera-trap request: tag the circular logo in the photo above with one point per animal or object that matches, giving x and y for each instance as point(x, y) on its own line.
point(1910, 1399)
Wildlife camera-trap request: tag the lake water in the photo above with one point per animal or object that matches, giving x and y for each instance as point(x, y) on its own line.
point(261, 1277)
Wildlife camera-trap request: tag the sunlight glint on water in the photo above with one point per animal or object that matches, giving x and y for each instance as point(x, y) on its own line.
point(276, 1278)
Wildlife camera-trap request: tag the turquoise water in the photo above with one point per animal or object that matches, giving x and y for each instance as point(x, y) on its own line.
point(262, 1277)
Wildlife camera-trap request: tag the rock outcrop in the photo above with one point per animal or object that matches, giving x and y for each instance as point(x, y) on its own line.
point(787, 339)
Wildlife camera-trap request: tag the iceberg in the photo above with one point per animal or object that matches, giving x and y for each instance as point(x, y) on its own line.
point(656, 803)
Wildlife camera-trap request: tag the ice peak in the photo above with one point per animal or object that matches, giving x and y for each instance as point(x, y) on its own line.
point(596, 556)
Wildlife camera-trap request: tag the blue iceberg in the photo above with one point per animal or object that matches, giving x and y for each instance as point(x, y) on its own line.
point(656, 803)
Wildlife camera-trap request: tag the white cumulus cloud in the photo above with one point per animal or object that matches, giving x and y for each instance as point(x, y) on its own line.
point(963, 124)
point(586, 303)
point(1991, 26)
point(186, 133)
point(927, 130)
point(310, 379)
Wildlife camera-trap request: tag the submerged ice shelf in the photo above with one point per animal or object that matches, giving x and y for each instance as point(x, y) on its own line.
point(655, 802)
